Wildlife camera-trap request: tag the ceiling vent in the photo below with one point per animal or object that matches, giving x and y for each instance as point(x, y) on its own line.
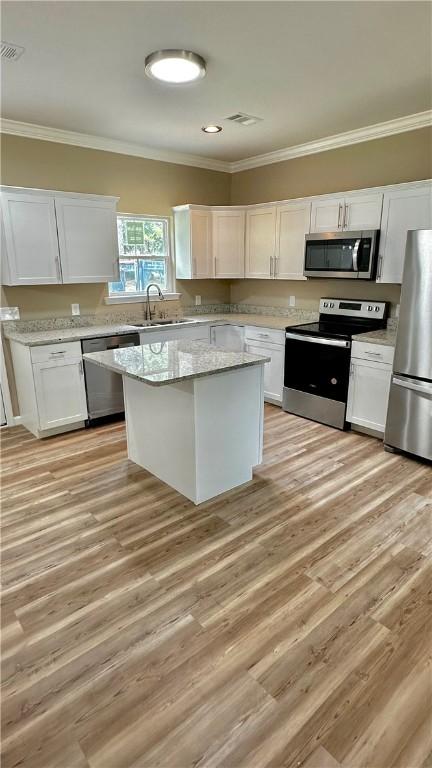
point(242, 119)
point(10, 51)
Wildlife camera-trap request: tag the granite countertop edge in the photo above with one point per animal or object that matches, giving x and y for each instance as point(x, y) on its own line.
point(178, 379)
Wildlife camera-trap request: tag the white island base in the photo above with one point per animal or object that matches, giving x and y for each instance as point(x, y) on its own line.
point(201, 436)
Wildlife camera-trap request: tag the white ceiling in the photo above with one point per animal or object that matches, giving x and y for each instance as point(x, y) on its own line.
point(309, 69)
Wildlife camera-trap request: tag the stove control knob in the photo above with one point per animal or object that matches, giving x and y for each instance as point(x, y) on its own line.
point(326, 303)
point(370, 308)
point(377, 309)
point(332, 305)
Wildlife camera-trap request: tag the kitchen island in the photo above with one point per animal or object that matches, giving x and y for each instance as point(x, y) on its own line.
point(194, 413)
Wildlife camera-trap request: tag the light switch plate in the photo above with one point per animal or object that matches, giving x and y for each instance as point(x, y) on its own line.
point(197, 301)
point(292, 301)
point(75, 309)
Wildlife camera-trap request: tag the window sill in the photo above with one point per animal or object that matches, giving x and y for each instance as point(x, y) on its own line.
point(130, 298)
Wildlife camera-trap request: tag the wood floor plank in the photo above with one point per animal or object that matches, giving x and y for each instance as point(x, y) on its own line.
point(284, 624)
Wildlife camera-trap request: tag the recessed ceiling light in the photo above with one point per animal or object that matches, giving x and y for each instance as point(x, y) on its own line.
point(211, 128)
point(175, 66)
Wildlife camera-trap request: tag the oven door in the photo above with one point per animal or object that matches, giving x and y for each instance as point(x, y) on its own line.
point(316, 377)
point(345, 255)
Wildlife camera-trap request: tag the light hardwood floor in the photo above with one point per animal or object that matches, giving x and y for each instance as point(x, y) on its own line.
point(286, 623)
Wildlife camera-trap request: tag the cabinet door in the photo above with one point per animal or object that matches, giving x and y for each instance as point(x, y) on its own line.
point(87, 231)
point(60, 392)
point(368, 394)
point(228, 336)
point(260, 242)
point(201, 244)
point(178, 333)
point(327, 215)
point(228, 243)
point(293, 223)
point(273, 371)
point(30, 232)
point(362, 212)
point(402, 210)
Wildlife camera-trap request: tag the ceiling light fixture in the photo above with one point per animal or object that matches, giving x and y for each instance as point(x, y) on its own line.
point(175, 66)
point(211, 128)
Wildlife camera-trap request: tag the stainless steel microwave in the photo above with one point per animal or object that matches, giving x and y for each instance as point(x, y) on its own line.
point(347, 255)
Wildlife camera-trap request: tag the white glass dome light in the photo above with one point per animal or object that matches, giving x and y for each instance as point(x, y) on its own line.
point(175, 66)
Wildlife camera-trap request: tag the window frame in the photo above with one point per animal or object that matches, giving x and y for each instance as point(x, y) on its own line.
point(140, 296)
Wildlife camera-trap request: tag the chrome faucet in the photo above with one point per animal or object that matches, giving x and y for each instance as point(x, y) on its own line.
point(161, 296)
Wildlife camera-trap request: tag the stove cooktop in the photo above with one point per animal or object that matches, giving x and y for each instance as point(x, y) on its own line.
point(339, 330)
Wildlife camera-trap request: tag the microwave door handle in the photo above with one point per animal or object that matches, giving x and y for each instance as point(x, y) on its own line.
point(355, 255)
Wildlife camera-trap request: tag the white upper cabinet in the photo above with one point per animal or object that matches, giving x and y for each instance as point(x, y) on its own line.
point(31, 254)
point(349, 213)
point(52, 237)
point(410, 208)
point(87, 232)
point(362, 212)
point(229, 243)
point(327, 214)
point(260, 242)
point(292, 224)
point(193, 243)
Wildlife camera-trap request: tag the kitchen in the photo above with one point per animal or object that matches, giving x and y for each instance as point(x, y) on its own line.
point(244, 303)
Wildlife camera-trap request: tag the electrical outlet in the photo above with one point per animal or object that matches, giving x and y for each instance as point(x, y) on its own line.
point(9, 313)
point(292, 301)
point(75, 309)
point(197, 301)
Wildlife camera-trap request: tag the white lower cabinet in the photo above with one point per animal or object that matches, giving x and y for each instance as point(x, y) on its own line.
point(227, 336)
point(175, 333)
point(60, 392)
point(50, 387)
point(271, 343)
point(369, 387)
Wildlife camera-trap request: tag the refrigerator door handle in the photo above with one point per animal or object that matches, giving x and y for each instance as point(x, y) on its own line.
point(423, 388)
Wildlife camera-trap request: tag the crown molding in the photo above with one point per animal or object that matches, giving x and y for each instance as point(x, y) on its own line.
point(44, 133)
point(368, 133)
point(377, 131)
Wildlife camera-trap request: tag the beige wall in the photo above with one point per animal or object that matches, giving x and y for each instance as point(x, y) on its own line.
point(275, 293)
point(404, 157)
point(144, 186)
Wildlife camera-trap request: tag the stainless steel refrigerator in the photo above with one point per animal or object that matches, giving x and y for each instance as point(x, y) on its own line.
point(409, 416)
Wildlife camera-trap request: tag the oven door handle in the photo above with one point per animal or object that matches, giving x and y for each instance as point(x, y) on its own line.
point(318, 340)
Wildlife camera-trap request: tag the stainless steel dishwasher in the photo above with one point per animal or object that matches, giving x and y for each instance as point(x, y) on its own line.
point(105, 388)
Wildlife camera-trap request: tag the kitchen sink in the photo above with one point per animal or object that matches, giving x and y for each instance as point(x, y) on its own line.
point(151, 323)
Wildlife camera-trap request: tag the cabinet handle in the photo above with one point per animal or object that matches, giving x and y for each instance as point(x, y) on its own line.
point(271, 266)
point(379, 270)
point(81, 368)
point(339, 216)
point(194, 267)
point(264, 335)
point(62, 352)
point(373, 354)
point(275, 271)
point(345, 223)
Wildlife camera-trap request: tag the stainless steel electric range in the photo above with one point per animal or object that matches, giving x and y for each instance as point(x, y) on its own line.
point(317, 358)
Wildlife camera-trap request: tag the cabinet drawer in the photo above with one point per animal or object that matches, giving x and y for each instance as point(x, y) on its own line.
point(255, 333)
point(380, 353)
point(48, 352)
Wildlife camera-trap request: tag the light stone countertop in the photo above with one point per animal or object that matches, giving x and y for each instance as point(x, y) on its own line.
point(59, 335)
point(170, 362)
point(386, 336)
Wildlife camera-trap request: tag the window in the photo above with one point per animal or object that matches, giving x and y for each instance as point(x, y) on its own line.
point(144, 255)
